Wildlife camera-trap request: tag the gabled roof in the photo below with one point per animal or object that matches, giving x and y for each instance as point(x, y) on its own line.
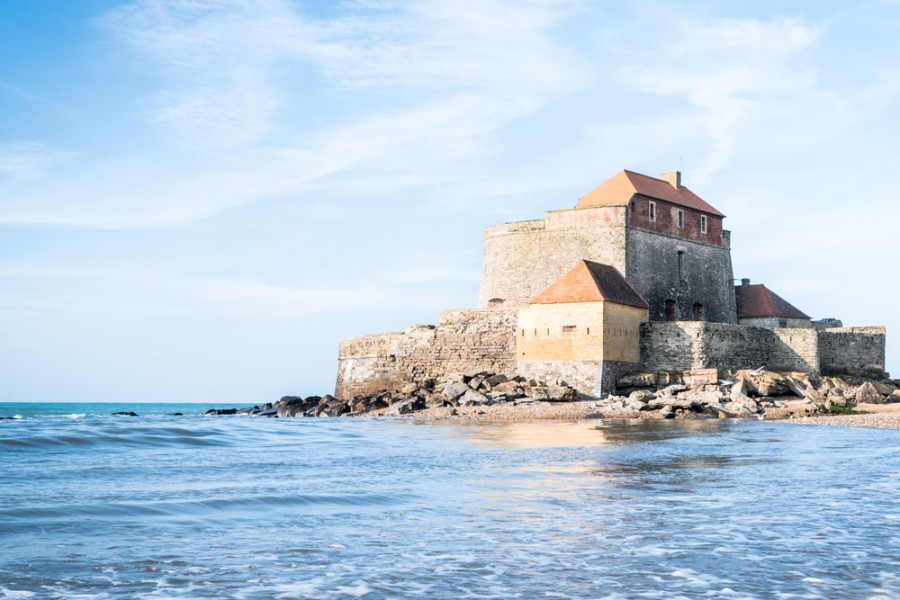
point(754, 301)
point(619, 189)
point(591, 282)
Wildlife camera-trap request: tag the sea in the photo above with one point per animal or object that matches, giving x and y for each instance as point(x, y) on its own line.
point(165, 505)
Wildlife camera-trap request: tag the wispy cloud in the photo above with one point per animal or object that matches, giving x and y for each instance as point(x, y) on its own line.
point(734, 74)
point(29, 160)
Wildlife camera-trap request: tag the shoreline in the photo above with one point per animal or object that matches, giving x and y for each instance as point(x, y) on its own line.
point(882, 416)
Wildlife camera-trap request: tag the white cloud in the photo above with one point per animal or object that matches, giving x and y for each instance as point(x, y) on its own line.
point(29, 160)
point(734, 74)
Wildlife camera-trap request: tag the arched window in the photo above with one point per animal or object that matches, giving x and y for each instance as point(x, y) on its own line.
point(670, 310)
point(495, 303)
point(698, 311)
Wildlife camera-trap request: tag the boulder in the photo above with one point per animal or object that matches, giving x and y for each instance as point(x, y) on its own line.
point(455, 390)
point(885, 388)
point(552, 393)
point(496, 380)
point(473, 398)
point(642, 396)
point(894, 397)
point(637, 380)
point(212, 411)
point(765, 383)
point(701, 377)
point(673, 389)
point(868, 393)
point(409, 389)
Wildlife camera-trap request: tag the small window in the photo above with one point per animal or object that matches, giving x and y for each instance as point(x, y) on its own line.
point(681, 265)
point(568, 328)
point(652, 212)
point(698, 311)
point(702, 223)
point(680, 219)
point(495, 303)
point(670, 310)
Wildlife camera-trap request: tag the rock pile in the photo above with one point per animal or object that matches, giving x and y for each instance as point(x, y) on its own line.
point(461, 389)
point(698, 395)
point(746, 394)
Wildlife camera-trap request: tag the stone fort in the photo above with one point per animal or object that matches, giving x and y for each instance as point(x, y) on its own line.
point(636, 278)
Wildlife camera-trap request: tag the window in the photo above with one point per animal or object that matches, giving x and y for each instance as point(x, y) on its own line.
point(670, 310)
point(569, 328)
point(495, 303)
point(680, 219)
point(653, 212)
point(702, 223)
point(681, 265)
point(698, 311)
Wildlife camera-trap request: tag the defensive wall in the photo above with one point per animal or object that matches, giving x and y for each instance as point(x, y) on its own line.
point(689, 345)
point(462, 341)
point(485, 340)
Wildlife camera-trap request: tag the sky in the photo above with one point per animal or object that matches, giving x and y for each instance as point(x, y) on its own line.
point(199, 198)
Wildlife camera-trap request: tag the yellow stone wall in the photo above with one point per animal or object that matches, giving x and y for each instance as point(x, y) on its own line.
point(579, 331)
point(622, 332)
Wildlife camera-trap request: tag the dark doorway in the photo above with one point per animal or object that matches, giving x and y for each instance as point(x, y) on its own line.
point(670, 310)
point(698, 311)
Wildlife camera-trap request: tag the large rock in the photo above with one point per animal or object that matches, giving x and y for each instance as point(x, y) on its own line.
point(638, 380)
point(868, 393)
point(473, 398)
point(765, 383)
point(552, 393)
point(455, 390)
point(701, 377)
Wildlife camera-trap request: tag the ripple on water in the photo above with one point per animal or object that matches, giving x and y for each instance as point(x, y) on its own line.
point(343, 508)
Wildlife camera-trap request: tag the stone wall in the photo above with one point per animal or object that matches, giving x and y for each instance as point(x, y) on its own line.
point(689, 345)
point(775, 322)
point(702, 274)
point(521, 260)
point(852, 350)
point(464, 340)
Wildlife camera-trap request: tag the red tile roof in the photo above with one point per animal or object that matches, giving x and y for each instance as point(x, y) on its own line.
point(754, 301)
point(591, 282)
point(619, 189)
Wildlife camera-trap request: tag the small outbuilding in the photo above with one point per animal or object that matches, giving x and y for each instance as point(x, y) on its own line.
point(758, 306)
point(584, 328)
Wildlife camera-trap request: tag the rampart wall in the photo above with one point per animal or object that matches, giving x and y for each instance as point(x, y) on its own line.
point(852, 350)
point(688, 345)
point(462, 341)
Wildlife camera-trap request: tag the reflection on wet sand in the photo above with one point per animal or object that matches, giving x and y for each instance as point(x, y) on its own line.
point(577, 434)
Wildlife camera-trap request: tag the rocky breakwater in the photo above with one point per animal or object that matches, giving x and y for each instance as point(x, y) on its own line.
point(691, 395)
point(459, 390)
point(744, 394)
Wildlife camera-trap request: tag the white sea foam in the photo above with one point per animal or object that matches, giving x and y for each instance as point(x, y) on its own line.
point(360, 589)
point(8, 593)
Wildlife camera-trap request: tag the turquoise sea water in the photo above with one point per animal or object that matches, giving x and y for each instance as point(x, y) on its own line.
point(160, 506)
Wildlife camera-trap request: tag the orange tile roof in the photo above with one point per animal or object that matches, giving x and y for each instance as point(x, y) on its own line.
point(759, 301)
point(591, 282)
point(619, 189)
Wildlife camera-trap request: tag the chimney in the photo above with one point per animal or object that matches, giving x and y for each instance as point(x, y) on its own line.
point(673, 177)
point(745, 282)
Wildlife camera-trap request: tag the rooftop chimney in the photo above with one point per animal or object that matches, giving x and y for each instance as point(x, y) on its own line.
point(673, 177)
point(745, 282)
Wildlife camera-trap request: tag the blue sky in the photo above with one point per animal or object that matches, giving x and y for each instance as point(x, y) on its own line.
point(198, 198)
